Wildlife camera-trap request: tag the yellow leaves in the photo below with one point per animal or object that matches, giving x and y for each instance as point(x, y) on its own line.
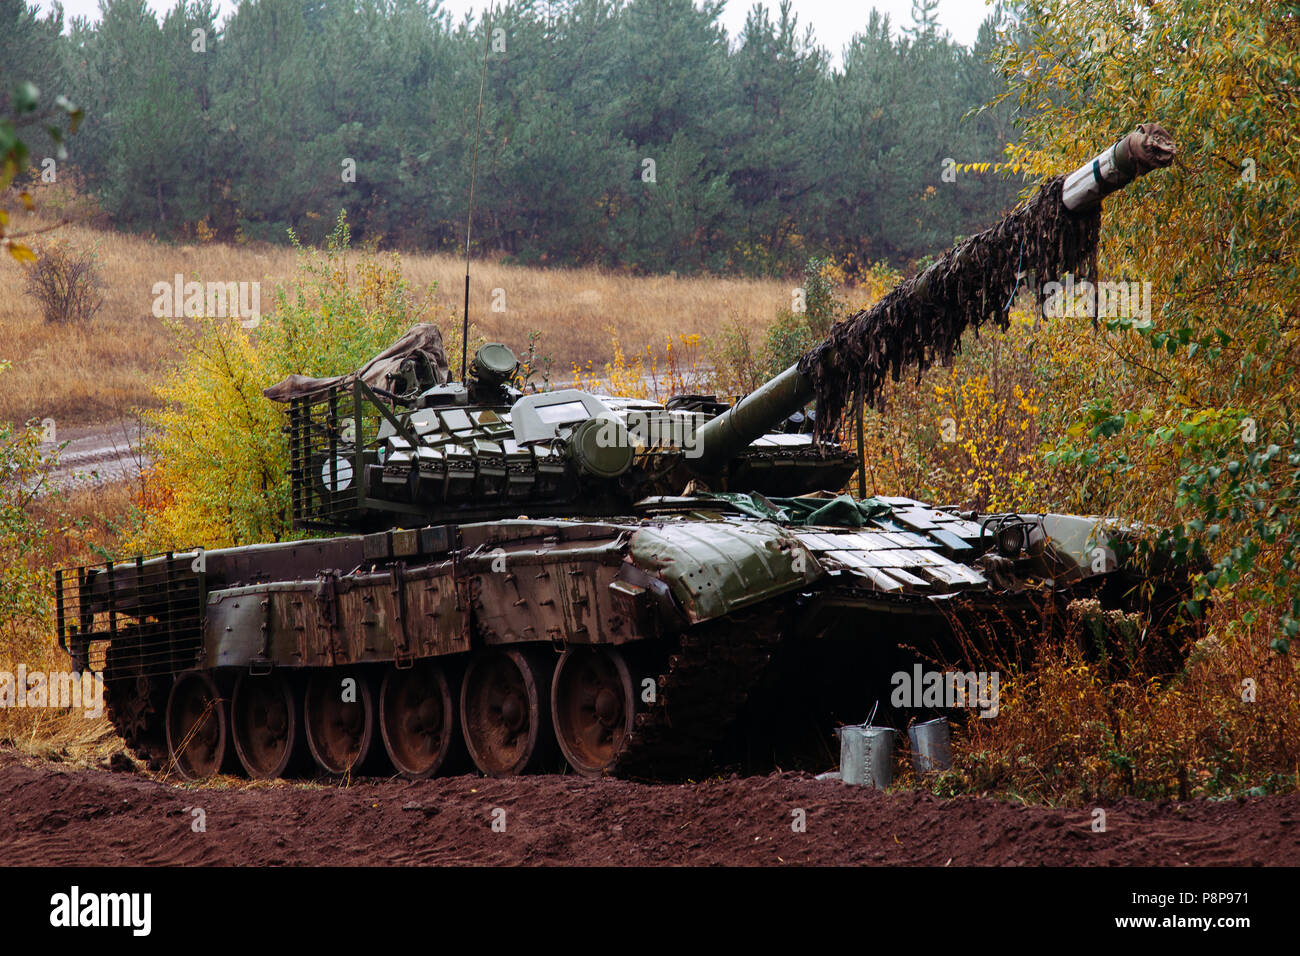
point(1225, 86)
point(993, 450)
point(221, 458)
point(833, 272)
point(1215, 236)
point(19, 251)
point(203, 231)
point(986, 167)
point(643, 377)
point(1072, 721)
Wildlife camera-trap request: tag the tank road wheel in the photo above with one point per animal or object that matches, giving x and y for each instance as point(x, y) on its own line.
point(198, 726)
point(417, 719)
point(594, 704)
point(504, 713)
point(265, 724)
point(340, 719)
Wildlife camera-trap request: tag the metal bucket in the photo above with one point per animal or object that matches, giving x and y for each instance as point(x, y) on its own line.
point(931, 745)
point(866, 755)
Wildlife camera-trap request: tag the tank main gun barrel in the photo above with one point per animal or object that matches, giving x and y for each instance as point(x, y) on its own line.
point(722, 438)
point(1146, 148)
point(923, 318)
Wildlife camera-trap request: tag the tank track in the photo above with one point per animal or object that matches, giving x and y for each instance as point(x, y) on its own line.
point(135, 703)
point(707, 683)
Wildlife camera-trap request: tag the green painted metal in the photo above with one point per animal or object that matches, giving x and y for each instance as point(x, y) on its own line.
point(716, 567)
point(726, 436)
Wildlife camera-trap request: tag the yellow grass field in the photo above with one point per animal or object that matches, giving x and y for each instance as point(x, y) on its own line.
point(97, 373)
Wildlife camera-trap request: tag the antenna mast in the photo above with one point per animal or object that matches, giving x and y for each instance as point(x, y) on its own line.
point(473, 172)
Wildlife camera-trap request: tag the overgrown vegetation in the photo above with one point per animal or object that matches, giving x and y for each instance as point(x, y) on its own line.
point(1183, 420)
point(24, 545)
point(1189, 416)
point(1226, 726)
point(42, 527)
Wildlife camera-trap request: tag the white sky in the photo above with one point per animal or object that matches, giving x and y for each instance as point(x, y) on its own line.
point(834, 21)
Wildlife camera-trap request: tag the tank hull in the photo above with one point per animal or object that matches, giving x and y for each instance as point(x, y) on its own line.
point(693, 636)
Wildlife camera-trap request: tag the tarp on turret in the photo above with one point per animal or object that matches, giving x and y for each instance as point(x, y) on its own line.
point(421, 341)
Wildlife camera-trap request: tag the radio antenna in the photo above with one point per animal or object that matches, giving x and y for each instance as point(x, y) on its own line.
point(473, 172)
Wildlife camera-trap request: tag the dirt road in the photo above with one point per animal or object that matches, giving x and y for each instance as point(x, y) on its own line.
point(96, 454)
point(100, 817)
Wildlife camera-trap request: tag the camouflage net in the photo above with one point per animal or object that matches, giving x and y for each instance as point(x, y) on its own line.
point(922, 319)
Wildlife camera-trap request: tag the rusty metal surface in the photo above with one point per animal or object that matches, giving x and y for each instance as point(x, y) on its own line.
point(338, 619)
point(555, 582)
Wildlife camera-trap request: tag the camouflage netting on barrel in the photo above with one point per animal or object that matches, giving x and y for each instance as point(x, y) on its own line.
point(922, 320)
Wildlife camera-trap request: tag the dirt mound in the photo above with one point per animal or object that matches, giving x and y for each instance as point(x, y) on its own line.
point(97, 817)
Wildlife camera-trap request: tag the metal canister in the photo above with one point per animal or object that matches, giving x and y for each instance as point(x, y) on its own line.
point(931, 745)
point(866, 755)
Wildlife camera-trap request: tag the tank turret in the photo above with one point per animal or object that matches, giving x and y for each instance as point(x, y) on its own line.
point(398, 439)
point(365, 455)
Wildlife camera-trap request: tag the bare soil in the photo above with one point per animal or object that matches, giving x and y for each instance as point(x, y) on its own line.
point(53, 815)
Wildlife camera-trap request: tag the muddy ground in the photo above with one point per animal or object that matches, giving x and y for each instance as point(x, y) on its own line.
point(52, 815)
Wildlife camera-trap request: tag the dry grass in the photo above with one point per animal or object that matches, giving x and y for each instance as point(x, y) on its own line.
point(81, 374)
point(60, 736)
point(1067, 735)
point(85, 523)
point(97, 373)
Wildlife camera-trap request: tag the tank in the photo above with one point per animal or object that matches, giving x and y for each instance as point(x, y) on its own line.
point(561, 580)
